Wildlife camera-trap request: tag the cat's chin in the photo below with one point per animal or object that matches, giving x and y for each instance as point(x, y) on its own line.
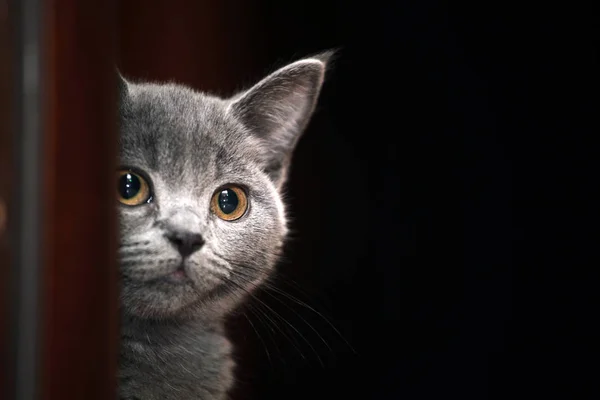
point(177, 293)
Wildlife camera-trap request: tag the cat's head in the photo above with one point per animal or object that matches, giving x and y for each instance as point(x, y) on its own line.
point(201, 217)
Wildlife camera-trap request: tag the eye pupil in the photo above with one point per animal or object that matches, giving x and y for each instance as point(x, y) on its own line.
point(129, 186)
point(228, 201)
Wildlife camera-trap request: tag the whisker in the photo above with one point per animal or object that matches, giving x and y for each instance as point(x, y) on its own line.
point(136, 261)
point(136, 252)
point(282, 319)
point(284, 333)
point(307, 306)
point(260, 338)
point(270, 331)
point(127, 245)
point(295, 312)
point(260, 302)
point(269, 286)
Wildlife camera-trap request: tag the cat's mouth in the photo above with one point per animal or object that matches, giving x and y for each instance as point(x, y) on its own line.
point(180, 274)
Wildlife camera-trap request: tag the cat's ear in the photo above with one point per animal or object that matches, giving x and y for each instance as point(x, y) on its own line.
point(122, 85)
point(277, 109)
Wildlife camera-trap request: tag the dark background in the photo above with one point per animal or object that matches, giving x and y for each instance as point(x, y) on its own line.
point(441, 197)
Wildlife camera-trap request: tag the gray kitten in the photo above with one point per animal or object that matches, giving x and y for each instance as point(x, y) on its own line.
point(202, 221)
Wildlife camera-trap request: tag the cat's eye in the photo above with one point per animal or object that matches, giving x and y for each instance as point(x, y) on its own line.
point(132, 189)
point(229, 203)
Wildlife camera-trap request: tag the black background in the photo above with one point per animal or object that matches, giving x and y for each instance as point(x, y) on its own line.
point(440, 201)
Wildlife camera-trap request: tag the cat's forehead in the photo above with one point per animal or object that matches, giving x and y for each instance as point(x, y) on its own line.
point(177, 131)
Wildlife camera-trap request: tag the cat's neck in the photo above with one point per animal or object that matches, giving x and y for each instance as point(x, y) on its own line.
point(168, 330)
point(174, 359)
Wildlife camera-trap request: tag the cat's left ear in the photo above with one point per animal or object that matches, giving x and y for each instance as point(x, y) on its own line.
point(277, 109)
point(123, 86)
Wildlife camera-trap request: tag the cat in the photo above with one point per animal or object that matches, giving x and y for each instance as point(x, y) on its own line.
point(202, 221)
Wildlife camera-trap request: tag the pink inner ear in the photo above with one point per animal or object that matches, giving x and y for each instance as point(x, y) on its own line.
point(282, 103)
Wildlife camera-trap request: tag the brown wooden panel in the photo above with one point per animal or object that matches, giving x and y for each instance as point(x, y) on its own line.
point(79, 294)
point(209, 45)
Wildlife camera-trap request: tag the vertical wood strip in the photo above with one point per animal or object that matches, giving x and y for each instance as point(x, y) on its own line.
point(79, 312)
point(6, 179)
point(25, 210)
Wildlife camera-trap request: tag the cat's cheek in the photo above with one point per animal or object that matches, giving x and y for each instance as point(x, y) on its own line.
point(135, 219)
point(204, 275)
point(203, 279)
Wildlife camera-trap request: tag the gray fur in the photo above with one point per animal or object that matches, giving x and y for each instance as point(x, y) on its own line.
point(188, 145)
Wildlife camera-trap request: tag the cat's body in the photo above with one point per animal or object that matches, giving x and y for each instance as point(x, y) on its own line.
point(190, 360)
point(202, 221)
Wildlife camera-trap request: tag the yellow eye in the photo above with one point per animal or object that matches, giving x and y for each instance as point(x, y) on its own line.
point(229, 203)
point(132, 189)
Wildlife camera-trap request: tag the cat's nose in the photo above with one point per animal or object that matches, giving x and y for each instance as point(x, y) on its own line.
point(185, 241)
